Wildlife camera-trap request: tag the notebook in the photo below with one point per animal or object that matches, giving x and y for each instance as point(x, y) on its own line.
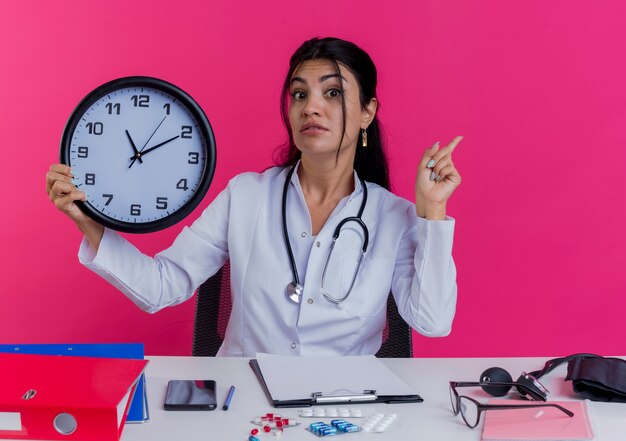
point(538, 423)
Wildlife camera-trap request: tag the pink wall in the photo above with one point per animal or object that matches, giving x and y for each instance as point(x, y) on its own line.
point(538, 89)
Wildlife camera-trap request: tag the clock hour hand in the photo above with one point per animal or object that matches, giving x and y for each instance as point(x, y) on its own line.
point(137, 155)
point(154, 148)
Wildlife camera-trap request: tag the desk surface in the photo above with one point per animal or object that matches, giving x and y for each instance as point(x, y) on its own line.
point(430, 420)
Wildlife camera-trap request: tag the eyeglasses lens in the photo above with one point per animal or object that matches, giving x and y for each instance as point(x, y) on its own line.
point(469, 411)
point(453, 401)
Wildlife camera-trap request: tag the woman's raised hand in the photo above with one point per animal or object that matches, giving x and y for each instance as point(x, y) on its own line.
point(436, 180)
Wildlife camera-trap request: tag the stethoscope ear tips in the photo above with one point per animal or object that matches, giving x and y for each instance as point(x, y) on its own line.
point(497, 375)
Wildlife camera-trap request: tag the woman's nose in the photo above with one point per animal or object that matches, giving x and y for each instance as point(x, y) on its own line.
point(313, 105)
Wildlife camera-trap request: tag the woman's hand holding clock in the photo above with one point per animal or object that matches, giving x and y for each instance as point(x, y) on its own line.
point(63, 193)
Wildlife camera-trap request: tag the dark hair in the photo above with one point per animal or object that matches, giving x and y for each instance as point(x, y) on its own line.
point(369, 162)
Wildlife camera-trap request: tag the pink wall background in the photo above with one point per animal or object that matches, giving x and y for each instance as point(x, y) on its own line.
point(537, 88)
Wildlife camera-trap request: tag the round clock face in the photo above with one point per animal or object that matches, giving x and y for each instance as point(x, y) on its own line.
point(143, 152)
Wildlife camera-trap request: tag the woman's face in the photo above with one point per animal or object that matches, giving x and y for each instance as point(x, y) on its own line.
point(315, 111)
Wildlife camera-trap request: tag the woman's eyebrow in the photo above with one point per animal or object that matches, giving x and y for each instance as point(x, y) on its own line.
point(322, 78)
point(329, 76)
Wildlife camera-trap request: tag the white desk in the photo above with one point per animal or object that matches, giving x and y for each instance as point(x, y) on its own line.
point(431, 420)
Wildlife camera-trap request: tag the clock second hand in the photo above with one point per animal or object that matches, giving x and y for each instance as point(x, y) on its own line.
point(134, 158)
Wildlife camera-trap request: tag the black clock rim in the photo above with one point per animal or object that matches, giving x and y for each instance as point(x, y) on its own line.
point(204, 126)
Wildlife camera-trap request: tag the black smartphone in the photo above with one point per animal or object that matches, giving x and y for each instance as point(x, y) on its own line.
point(190, 395)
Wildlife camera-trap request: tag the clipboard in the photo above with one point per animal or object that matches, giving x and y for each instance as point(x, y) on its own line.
point(138, 412)
point(403, 393)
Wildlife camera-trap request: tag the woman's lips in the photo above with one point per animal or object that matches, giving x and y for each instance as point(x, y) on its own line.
point(313, 129)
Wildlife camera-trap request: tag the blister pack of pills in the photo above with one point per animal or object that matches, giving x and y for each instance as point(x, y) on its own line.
point(378, 422)
point(274, 421)
point(336, 427)
point(271, 423)
point(331, 412)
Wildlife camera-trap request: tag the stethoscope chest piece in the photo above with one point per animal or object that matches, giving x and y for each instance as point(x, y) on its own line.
point(294, 292)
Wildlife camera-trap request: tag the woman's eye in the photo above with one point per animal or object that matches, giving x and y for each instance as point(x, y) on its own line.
point(334, 93)
point(298, 95)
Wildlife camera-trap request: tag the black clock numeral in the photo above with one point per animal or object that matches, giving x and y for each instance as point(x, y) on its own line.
point(83, 151)
point(182, 184)
point(141, 100)
point(193, 158)
point(135, 210)
point(109, 198)
point(95, 128)
point(113, 107)
point(90, 178)
point(161, 203)
point(166, 106)
point(185, 132)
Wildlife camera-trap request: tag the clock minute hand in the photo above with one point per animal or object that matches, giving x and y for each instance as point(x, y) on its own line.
point(160, 144)
point(156, 146)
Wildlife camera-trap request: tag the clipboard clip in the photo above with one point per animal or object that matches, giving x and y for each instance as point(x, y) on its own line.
point(367, 395)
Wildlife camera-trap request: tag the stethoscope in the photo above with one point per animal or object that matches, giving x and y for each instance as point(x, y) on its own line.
point(295, 289)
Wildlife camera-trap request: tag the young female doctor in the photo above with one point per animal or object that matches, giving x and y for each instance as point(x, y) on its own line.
point(296, 290)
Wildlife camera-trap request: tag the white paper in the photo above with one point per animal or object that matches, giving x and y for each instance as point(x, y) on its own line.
point(296, 378)
point(10, 421)
point(121, 407)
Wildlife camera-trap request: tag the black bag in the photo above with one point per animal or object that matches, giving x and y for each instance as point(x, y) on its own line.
point(598, 378)
point(593, 377)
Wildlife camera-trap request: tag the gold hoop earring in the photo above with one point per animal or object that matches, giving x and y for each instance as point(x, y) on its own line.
point(364, 137)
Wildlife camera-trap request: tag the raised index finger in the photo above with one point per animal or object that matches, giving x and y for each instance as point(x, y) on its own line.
point(454, 143)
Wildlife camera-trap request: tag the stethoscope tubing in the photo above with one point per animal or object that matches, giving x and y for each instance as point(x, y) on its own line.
point(292, 260)
point(295, 286)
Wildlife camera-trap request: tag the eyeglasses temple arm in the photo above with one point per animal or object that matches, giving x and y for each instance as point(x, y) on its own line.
point(521, 406)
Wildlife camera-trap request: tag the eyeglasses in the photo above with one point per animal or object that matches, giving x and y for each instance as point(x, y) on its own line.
point(471, 409)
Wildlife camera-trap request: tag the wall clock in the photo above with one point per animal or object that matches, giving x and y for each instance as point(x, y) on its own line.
point(143, 152)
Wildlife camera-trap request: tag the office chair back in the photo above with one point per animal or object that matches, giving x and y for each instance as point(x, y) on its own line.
point(213, 305)
point(397, 335)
